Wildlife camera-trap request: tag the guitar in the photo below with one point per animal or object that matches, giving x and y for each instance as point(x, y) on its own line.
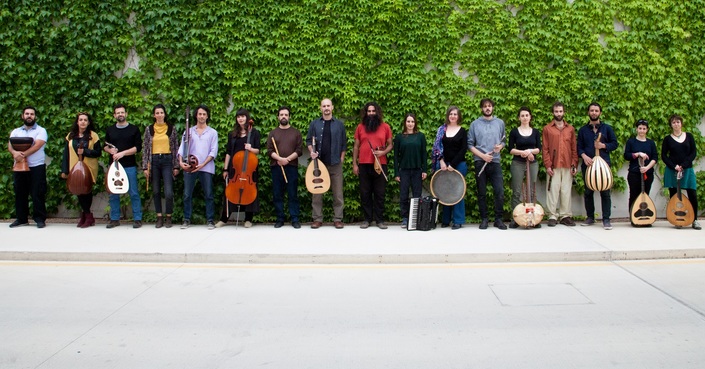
point(190, 160)
point(643, 211)
point(116, 179)
point(679, 210)
point(317, 176)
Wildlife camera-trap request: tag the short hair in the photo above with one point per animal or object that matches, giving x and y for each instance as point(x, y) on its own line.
point(673, 118)
point(118, 106)
point(29, 107)
point(283, 107)
point(594, 104)
point(642, 122)
point(449, 110)
point(416, 123)
point(557, 104)
point(486, 100)
point(205, 108)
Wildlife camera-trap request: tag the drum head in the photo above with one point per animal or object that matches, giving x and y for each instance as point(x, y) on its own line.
point(448, 186)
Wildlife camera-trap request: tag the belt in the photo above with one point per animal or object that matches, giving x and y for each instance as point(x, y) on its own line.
point(161, 155)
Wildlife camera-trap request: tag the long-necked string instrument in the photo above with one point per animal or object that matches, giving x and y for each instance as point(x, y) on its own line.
point(529, 213)
point(553, 163)
point(679, 210)
point(242, 189)
point(190, 160)
point(116, 179)
point(378, 165)
point(276, 150)
point(80, 180)
point(317, 176)
point(643, 211)
point(598, 176)
point(485, 165)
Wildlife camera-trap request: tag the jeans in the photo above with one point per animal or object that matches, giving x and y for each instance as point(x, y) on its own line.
point(206, 180)
point(32, 183)
point(162, 171)
point(408, 178)
point(458, 210)
point(135, 200)
point(493, 173)
point(372, 189)
point(278, 188)
point(605, 196)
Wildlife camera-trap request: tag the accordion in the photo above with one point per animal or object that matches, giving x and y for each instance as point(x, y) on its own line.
point(423, 214)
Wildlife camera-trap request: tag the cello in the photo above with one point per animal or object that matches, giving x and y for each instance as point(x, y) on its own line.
point(242, 189)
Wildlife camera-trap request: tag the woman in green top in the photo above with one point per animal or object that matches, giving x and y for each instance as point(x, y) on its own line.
point(410, 159)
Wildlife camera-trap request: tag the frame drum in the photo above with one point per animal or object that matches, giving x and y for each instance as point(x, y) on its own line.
point(21, 144)
point(448, 186)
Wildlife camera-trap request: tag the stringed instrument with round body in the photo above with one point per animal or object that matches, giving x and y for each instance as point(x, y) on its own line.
point(643, 211)
point(242, 189)
point(317, 176)
point(80, 180)
point(679, 210)
point(529, 213)
point(116, 178)
point(598, 176)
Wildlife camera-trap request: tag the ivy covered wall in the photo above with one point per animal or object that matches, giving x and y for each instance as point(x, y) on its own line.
point(639, 59)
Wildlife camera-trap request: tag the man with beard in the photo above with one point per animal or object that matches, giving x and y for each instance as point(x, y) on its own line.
point(587, 143)
point(34, 181)
point(561, 161)
point(331, 145)
point(283, 160)
point(126, 141)
point(485, 140)
point(373, 138)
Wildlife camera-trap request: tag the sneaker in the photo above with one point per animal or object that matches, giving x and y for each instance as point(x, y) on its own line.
point(17, 223)
point(42, 224)
point(248, 224)
point(588, 222)
point(484, 223)
point(499, 224)
point(279, 224)
point(113, 224)
point(185, 224)
point(455, 227)
point(137, 224)
point(513, 224)
point(568, 221)
point(364, 225)
point(220, 224)
point(381, 225)
point(211, 225)
point(296, 224)
point(606, 224)
point(696, 225)
point(552, 222)
point(405, 223)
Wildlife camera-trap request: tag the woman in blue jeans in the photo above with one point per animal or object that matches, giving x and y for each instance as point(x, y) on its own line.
point(449, 150)
point(160, 162)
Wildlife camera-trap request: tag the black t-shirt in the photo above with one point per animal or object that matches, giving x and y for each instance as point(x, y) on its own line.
point(125, 138)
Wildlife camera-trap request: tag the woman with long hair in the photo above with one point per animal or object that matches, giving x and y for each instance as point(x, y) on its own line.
point(82, 140)
point(410, 163)
point(160, 162)
point(449, 150)
point(237, 141)
point(524, 145)
point(678, 151)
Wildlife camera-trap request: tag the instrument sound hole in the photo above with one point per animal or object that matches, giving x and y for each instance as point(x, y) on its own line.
point(317, 172)
point(317, 180)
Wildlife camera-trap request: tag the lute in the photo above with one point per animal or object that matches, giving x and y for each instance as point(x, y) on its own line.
point(317, 176)
point(643, 211)
point(116, 179)
point(679, 210)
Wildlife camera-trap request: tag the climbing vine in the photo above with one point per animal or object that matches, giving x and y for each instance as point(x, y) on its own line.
point(638, 59)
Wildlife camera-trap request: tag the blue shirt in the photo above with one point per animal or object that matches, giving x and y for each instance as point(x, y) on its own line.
point(37, 133)
point(586, 141)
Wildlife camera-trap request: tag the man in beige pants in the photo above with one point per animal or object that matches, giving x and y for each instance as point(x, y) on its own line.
point(560, 157)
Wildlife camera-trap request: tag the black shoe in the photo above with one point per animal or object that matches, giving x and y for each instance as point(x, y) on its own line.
point(137, 224)
point(499, 224)
point(279, 224)
point(17, 223)
point(296, 225)
point(443, 225)
point(457, 226)
point(513, 224)
point(41, 224)
point(113, 224)
point(484, 223)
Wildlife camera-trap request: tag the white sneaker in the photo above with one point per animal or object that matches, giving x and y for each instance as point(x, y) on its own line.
point(696, 225)
point(248, 224)
point(220, 224)
point(211, 225)
point(186, 224)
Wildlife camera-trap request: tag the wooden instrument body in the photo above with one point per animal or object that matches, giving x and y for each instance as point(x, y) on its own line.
point(242, 188)
point(643, 211)
point(116, 179)
point(191, 161)
point(21, 144)
point(679, 210)
point(448, 186)
point(80, 180)
point(598, 176)
point(529, 213)
point(317, 176)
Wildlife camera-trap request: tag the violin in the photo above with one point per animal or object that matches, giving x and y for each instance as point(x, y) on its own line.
point(242, 189)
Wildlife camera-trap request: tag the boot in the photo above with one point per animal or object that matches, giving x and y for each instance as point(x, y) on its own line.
point(160, 221)
point(90, 221)
point(167, 223)
point(81, 220)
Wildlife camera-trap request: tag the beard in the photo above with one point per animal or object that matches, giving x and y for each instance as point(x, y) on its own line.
point(486, 114)
point(284, 122)
point(29, 122)
point(371, 122)
point(120, 119)
point(558, 118)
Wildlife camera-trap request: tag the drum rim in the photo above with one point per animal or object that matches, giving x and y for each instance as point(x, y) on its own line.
point(465, 188)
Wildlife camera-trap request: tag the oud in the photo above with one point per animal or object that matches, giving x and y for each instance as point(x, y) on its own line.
point(679, 210)
point(317, 176)
point(643, 211)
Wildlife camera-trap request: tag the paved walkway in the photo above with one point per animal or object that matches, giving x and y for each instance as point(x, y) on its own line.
point(351, 245)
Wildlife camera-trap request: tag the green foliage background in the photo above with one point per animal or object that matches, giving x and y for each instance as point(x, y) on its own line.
point(409, 56)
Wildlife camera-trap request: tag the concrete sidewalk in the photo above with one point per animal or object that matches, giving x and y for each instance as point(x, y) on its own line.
point(263, 244)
